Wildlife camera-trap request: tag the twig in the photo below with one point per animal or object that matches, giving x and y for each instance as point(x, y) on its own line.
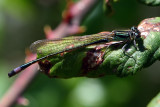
point(70, 25)
point(19, 84)
point(72, 19)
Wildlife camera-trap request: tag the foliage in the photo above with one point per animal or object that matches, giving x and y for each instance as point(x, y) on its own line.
point(155, 102)
point(151, 2)
point(88, 61)
point(22, 25)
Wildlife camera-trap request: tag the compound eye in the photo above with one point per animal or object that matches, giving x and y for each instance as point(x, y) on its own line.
point(133, 28)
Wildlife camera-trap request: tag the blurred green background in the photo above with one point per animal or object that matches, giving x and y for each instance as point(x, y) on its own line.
point(22, 22)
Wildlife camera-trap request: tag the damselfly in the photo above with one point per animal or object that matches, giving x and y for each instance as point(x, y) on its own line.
point(49, 48)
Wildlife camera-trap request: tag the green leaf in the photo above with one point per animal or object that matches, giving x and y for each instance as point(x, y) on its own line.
point(89, 61)
point(155, 102)
point(150, 2)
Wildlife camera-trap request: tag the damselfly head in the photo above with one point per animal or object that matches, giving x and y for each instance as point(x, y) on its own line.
point(135, 32)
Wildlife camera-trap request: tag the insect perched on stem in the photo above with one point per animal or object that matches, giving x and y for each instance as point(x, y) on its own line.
point(49, 48)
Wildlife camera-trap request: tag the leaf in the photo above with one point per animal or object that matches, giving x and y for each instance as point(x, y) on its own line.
point(150, 2)
point(155, 102)
point(89, 61)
